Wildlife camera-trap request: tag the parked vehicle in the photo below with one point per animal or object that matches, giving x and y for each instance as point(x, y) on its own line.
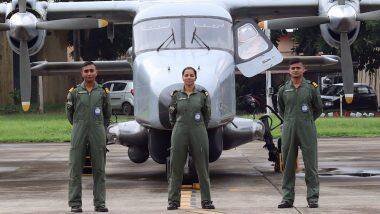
point(121, 95)
point(365, 98)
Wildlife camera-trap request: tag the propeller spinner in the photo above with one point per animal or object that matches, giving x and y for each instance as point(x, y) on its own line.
point(341, 18)
point(23, 27)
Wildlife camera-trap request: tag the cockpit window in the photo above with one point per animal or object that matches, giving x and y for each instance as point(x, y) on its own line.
point(198, 33)
point(150, 35)
point(202, 32)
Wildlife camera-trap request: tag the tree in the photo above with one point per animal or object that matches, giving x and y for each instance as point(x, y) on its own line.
point(94, 44)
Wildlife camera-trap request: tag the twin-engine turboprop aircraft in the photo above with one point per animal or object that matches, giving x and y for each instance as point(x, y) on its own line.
point(215, 37)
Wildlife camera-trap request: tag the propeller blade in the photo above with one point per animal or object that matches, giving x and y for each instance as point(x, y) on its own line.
point(347, 68)
point(25, 75)
point(72, 24)
point(22, 6)
point(295, 22)
point(4, 27)
point(369, 16)
point(341, 2)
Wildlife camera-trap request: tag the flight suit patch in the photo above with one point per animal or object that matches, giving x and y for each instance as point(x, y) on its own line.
point(97, 111)
point(289, 90)
point(197, 117)
point(304, 108)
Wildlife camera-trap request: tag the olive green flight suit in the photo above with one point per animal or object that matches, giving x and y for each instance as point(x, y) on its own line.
point(300, 108)
point(89, 113)
point(190, 116)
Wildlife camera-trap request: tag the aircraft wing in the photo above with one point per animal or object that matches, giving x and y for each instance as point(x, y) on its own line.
point(271, 8)
point(369, 5)
point(115, 11)
point(311, 62)
point(73, 68)
point(325, 63)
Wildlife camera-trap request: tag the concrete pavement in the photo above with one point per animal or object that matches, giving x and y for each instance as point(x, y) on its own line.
point(34, 179)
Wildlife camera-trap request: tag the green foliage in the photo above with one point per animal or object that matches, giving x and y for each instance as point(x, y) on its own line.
point(15, 96)
point(34, 127)
point(338, 127)
point(365, 51)
point(54, 127)
point(275, 36)
point(96, 46)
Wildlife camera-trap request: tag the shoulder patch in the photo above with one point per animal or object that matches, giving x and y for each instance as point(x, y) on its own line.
point(174, 92)
point(205, 92)
point(106, 90)
point(314, 84)
point(71, 89)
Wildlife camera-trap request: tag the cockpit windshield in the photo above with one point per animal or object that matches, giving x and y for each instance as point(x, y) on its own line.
point(183, 33)
point(150, 35)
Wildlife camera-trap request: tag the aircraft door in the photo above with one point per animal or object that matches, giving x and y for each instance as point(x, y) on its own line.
point(254, 52)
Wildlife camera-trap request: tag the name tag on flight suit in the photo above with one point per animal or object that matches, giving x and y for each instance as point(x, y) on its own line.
point(304, 108)
point(197, 117)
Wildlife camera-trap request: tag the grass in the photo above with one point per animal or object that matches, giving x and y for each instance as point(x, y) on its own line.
point(54, 127)
point(34, 127)
point(343, 127)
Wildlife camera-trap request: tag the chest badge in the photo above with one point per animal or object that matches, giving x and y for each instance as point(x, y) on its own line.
point(97, 111)
point(304, 108)
point(197, 117)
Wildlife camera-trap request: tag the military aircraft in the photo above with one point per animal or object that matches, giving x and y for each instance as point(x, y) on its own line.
point(217, 37)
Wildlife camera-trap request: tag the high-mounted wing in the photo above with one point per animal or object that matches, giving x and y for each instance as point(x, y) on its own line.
point(319, 63)
point(113, 11)
point(271, 9)
point(73, 68)
point(369, 5)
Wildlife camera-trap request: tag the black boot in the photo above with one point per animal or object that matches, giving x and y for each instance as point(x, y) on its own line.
point(173, 205)
point(76, 209)
point(207, 205)
point(285, 204)
point(313, 204)
point(102, 209)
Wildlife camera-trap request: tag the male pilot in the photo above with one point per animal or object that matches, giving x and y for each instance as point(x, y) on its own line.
point(88, 110)
point(300, 105)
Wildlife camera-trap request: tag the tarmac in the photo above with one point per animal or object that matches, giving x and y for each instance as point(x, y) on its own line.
point(34, 179)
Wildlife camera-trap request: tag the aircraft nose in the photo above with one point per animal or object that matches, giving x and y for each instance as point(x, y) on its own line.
point(164, 102)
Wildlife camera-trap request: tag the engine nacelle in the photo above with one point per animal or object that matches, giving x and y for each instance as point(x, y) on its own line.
point(35, 12)
point(34, 45)
point(331, 32)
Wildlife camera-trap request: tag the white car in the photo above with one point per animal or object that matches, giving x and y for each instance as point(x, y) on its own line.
point(121, 95)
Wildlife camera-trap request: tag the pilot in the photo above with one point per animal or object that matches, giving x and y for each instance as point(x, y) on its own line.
point(300, 105)
point(189, 113)
point(88, 110)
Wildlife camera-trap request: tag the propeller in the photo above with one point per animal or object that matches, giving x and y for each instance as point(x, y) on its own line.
point(342, 24)
point(23, 27)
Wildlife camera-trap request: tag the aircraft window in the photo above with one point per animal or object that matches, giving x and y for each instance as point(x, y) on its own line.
point(119, 86)
point(153, 34)
point(250, 43)
point(209, 33)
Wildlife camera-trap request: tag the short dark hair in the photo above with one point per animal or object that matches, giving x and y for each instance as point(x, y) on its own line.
point(189, 68)
point(294, 61)
point(88, 63)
